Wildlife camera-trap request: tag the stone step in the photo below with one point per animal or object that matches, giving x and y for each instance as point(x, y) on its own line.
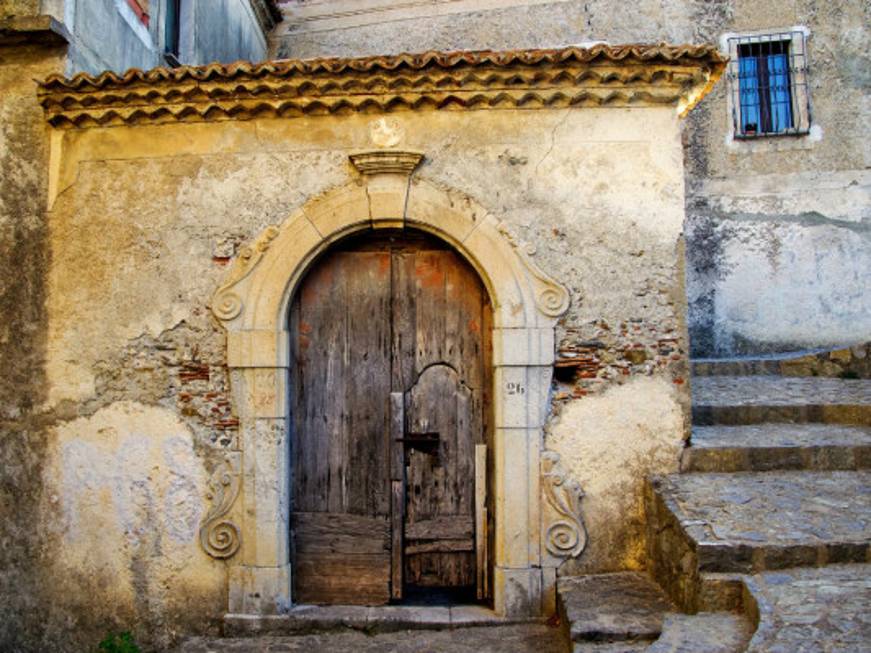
point(624, 606)
point(751, 522)
point(736, 400)
point(521, 638)
point(777, 446)
point(309, 619)
point(812, 609)
point(710, 632)
point(839, 363)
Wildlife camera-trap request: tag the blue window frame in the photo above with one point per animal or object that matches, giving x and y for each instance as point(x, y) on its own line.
point(764, 88)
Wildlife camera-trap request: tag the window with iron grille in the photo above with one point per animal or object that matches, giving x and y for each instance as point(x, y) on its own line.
point(768, 84)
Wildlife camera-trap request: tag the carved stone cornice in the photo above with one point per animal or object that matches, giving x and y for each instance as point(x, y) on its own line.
point(375, 162)
point(525, 79)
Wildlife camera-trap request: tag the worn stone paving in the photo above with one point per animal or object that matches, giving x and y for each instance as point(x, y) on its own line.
point(532, 638)
point(774, 508)
point(819, 610)
point(779, 391)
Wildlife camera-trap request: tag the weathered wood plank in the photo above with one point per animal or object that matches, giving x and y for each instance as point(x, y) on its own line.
point(455, 527)
point(349, 579)
point(481, 519)
point(404, 320)
point(396, 559)
point(441, 546)
point(323, 532)
point(397, 432)
point(367, 386)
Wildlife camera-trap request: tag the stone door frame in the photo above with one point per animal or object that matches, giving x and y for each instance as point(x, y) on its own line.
point(249, 520)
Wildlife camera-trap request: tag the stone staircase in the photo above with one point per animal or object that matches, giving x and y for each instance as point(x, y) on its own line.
point(761, 543)
point(770, 517)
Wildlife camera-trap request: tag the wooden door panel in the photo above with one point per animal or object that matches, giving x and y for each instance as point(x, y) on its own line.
point(341, 558)
point(440, 481)
point(341, 382)
point(387, 327)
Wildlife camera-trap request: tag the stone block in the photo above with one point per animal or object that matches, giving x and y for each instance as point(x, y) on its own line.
point(339, 210)
point(513, 347)
point(257, 348)
point(387, 199)
point(259, 590)
point(517, 592)
point(435, 210)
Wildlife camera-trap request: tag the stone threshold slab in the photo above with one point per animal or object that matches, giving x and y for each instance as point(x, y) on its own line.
point(305, 619)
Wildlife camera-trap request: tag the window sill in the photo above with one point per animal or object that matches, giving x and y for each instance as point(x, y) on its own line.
point(790, 133)
point(804, 139)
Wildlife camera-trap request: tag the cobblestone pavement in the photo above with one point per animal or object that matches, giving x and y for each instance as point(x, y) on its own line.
point(779, 391)
point(781, 435)
point(774, 508)
point(819, 610)
point(532, 638)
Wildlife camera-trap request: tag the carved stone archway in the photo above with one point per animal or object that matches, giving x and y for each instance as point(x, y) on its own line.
point(537, 523)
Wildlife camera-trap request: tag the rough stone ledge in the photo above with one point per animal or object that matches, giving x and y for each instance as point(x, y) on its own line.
point(42, 29)
point(846, 362)
point(708, 632)
point(812, 609)
point(708, 415)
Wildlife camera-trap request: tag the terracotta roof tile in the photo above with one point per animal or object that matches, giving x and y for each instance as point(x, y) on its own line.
point(421, 61)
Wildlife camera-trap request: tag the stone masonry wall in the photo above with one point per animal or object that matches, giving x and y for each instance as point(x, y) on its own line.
point(143, 223)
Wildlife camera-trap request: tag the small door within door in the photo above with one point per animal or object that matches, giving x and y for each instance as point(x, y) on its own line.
point(390, 388)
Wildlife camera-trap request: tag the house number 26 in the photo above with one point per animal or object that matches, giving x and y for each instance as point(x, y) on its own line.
point(514, 388)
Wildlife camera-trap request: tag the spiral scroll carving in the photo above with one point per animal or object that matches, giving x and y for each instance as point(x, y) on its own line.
point(219, 536)
point(552, 300)
point(227, 305)
point(223, 539)
point(566, 536)
point(562, 538)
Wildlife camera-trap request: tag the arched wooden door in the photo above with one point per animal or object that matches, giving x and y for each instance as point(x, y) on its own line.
point(390, 336)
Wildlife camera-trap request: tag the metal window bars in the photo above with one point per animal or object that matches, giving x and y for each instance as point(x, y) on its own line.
point(768, 84)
